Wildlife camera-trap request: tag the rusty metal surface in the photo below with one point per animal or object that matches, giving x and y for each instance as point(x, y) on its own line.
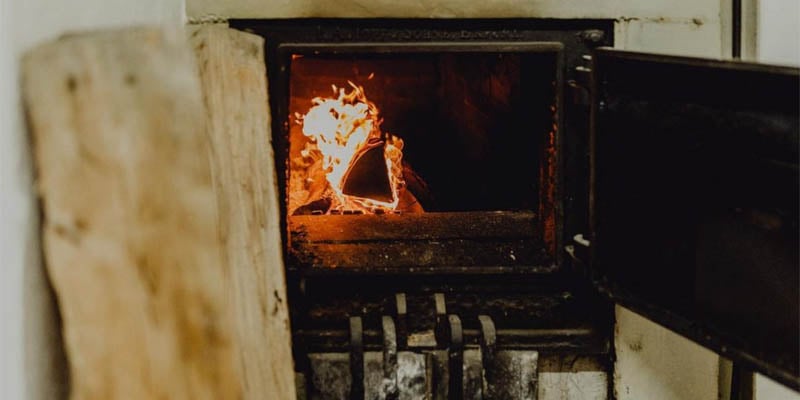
point(424, 226)
point(576, 36)
point(552, 341)
point(469, 242)
point(520, 375)
point(412, 375)
point(521, 285)
point(330, 376)
point(390, 374)
point(514, 376)
point(425, 257)
point(549, 309)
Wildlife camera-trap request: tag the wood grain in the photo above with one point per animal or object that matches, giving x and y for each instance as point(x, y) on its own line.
point(233, 76)
point(130, 216)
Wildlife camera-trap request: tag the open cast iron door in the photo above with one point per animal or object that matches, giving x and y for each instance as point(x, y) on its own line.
point(695, 201)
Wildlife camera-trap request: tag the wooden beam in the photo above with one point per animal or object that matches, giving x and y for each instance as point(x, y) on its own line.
point(130, 218)
point(233, 77)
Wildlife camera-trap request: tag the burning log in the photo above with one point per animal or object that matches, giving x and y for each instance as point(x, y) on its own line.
point(416, 192)
point(368, 176)
point(319, 206)
point(348, 163)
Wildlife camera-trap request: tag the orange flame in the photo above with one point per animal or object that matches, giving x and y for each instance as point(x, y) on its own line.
point(337, 129)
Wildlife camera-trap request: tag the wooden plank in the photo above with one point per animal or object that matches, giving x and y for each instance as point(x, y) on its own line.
point(130, 225)
point(234, 84)
point(434, 225)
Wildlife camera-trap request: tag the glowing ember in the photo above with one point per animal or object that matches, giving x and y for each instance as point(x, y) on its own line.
point(341, 131)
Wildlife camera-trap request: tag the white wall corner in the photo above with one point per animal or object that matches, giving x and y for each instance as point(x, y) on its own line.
point(655, 363)
point(778, 32)
point(767, 389)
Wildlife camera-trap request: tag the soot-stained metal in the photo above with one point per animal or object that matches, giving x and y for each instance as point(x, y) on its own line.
point(430, 293)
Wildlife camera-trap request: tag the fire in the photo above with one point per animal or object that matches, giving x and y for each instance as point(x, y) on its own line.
point(340, 130)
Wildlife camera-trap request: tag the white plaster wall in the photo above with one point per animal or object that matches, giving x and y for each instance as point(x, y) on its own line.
point(657, 364)
point(779, 32)
point(767, 389)
point(687, 27)
point(666, 10)
point(778, 41)
point(31, 363)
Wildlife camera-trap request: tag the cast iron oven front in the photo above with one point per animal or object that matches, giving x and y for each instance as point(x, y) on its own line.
point(472, 264)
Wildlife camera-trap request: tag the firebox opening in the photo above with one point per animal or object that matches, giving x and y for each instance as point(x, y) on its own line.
point(436, 131)
point(447, 155)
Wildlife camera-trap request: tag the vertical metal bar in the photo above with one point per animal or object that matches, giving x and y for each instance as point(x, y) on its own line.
point(440, 328)
point(736, 49)
point(389, 359)
point(356, 359)
point(488, 342)
point(741, 383)
point(725, 378)
point(401, 309)
point(430, 375)
point(455, 355)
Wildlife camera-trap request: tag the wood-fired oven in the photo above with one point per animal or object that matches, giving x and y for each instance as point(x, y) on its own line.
point(455, 192)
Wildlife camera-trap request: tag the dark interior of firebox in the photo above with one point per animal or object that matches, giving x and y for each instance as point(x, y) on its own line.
point(475, 126)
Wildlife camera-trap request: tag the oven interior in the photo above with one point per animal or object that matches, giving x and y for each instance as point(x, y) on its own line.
point(426, 158)
point(467, 225)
